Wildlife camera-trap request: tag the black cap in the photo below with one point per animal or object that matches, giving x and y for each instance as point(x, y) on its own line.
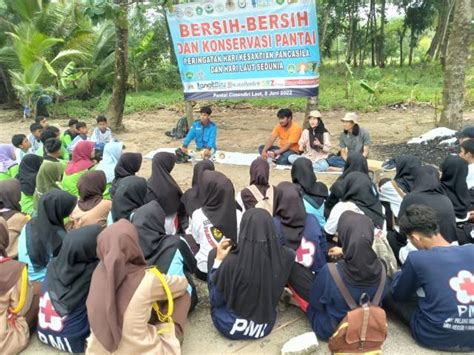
point(466, 132)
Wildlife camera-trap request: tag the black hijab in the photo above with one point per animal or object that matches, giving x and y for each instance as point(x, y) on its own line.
point(252, 277)
point(427, 180)
point(407, 166)
point(69, 274)
point(358, 188)
point(129, 196)
point(27, 171)
point(290, 208)
point(161, 185)
point(454, 172)
point(128, 165)
point(302, 174)
point(317, 133)
point(360, 265)
point(191, 198)
point(219, 202)
point(45, 233)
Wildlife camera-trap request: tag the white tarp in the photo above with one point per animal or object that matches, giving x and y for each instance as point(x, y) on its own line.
point(433, 134)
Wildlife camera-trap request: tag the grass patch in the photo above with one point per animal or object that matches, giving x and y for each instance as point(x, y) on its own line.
point(421, 83)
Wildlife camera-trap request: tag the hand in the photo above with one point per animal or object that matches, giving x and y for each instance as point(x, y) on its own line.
point(271, 154)
point(206, 153)
point(184, 150)
point(335, 253)
point(223, 249)
point(264, 155)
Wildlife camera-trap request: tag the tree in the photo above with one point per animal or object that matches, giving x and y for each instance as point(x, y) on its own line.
point(454, 76)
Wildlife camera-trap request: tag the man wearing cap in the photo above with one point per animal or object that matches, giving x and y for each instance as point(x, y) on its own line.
point(352, 139)
point(288, 133)
point(314, 143)
point(465, 134)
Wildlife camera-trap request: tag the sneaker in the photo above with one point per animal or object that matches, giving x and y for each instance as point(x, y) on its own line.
point(389, 165)
point(306, 343)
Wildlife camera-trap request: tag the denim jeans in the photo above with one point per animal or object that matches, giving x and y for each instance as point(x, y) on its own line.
point(318, 166)
point(282, 159)
point(336, 161)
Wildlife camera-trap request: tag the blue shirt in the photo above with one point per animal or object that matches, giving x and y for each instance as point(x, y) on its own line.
point(327, 307)
point(33, 275)
point(445, 316)
point(204, 136)
point(228, 323)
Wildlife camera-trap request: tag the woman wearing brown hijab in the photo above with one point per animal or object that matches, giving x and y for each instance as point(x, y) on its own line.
point(15, 300)
point(10, 210)
point(121, 296)
point(91, 207)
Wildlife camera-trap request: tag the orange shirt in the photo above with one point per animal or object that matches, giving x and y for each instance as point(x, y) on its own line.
point(287, 135)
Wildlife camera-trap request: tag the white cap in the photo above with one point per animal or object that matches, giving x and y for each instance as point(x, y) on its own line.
point(351, 117)
point(314, 113)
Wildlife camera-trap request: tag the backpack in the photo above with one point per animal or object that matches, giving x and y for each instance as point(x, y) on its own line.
point(364, 328)
point(263, 202)
point(180, 130)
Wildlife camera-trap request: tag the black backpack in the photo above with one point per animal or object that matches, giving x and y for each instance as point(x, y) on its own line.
point(180, 130)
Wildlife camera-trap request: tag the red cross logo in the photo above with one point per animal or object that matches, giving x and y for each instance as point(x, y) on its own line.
point(47, 316)
point(463, 284)
point(305, 253)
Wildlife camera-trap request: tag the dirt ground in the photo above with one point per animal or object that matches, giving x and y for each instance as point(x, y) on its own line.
point(243, 129)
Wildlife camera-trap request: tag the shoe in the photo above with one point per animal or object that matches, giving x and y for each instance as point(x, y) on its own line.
point(306, 343)
point(389, 165)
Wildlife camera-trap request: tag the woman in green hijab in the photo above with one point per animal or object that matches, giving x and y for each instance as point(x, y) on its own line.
point(48, 178)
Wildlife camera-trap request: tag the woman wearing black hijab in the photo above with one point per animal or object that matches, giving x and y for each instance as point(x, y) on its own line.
point(165, 190)
point(217, 218)
point(27, 171)
point(245, 284)
point(66, 287)
point(355, 162)
point(42, 237)
point(314, 193)
point(454, 172)
point(360, 269)
point(128, 165)
point(169, 253)
point(192, 198)
point(259, 176)
point(129, 196)
point(393, 191)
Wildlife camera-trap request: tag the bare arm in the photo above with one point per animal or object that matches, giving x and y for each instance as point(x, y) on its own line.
point(365, 151)
point(344, 153)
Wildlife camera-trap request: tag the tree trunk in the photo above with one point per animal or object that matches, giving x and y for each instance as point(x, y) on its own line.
point(444, 30)
point(323, 31)
point(119, 92)
point(373, 31)
point(9, 94)
point(381, 37)
point(454, 75)
point(412, 47)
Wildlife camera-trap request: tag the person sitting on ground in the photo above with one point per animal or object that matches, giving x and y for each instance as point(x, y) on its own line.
point(10, 211)
point(35, 136)
point(121, 298)
point(69, 134)
point(352, 139)
point(130, 196)
point(52, 132)
point(48, 178)
point(53, 151)
point(17, 311)
point(22, 145)
point(465, 133)
point(393, 191)
point(62, 318)
point(467, 153)
point(102, 134)
point(360, 270)
point(217, 218)
point(169, 253)
point(82, 132)
point(454, 171)
point(314, 143)
point(314, 193)
point(288, 133)
point(43, 121)
point(81, 162)
point(8, 164)
point(91, 207)
point(354, 162)
point(27, 172)
point(302, 233)
point(192, 198)
point(41, 238)
point(245, 283)
point(259, 188)
point(166, 191)
point(110, 158)
point(427, 190)
point(440, 319)
point(204, 134)
point(128, 165)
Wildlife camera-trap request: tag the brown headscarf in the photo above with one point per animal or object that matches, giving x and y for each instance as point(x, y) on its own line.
point(91, 187)
point(259, 175)
point(10, 195)
point(10, 271)
point(114, 281)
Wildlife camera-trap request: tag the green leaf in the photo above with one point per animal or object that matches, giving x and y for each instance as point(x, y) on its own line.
point(67, 53)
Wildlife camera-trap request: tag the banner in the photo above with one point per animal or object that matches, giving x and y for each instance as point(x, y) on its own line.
point(246, 48)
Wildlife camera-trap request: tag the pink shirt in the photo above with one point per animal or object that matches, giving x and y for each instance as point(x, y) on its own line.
point(311, 153)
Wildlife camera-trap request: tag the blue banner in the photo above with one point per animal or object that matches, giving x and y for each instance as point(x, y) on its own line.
point(246, 48)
